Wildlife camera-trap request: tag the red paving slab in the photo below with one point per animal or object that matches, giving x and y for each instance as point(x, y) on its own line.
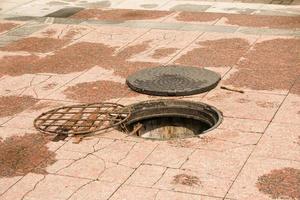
point(253, 154)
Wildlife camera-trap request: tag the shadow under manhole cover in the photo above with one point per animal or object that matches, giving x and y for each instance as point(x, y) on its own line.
point(170, 119)
point(173, 80)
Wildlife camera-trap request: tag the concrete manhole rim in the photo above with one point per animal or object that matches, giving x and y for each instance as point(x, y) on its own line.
point(202, 107)
point(191, 80)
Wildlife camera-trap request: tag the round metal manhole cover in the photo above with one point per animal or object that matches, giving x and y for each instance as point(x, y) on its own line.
point(173, 81)
point(82, 119)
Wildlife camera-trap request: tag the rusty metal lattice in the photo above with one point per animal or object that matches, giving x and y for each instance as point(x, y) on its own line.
point(82, 119)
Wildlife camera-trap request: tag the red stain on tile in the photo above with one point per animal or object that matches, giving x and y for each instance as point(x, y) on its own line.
point(35, 44)
point(185, 179)
point(198, 16)
point(163, 52)
point(270, 65)
point(280, 183)
point(7, 26)
point(296, 88)
point(50, 86)
point(11, 105)
point(120, 14)
point(242, 19)
point(22, 154)
point(263, 21)
point(17, 65)
point(91, 92)
point(216, 53)
point(75, 58)
point(49, 33)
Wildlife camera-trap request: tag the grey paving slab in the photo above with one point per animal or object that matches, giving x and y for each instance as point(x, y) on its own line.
point(209, 28)
point(27, 29)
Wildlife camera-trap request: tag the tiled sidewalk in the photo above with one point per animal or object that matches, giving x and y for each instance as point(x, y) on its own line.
point(47, 62)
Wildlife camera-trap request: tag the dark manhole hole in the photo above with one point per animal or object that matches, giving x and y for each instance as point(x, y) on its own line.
point(82, 119)
point(170, 119)
point(173, 81)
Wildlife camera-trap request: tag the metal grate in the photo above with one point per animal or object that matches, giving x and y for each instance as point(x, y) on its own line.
point(82, 119)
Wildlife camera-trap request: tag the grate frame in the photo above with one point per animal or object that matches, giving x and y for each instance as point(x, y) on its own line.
point(82, 119)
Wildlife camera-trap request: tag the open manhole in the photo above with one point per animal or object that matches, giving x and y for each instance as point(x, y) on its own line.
point(170, 119)
point(82, 119)
point(173, 80)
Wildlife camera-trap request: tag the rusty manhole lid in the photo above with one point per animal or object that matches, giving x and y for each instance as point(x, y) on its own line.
point(82, 119)
point(173, 81)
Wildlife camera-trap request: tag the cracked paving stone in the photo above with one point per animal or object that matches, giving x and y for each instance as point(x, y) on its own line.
point(115, 173)
point(115, 151)
point(132, 193)
point(56, 187)
point(88, 167)
point(146, 175)
point(168, 156)
point(138, 154)
point(95, 190)
point(245, 186)
point(22, 187)
point(207, 184)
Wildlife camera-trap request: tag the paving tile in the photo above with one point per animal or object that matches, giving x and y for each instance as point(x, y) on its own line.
point(213, 163)
point(247, 125)
point(209, 28)
point(132, 193)
point(289, 111)
point(96, 190)
point(170, 195)
point(245, 185)
point(216, 50)
point(237, 8)
point(6, 132)
point(35, 8)
point(26, 184)
point(98, 4)
point(91, 76)
point(43, 106)
point(27, 29)
point(189, 6)
point(195, 182)
point(85, 146)
point(168, 156)
point(163, 44)
point(69, 155)
point(280, 141)
point(138, 154)
point(115, 173)
point(256, 106)
point(56, 187)
point(58, 165)
point(115, 151)
point(146, 176)
point(113, 36)
point(132, 4)
point(6, 183)
point(36, 85)
point(63, 31)
point(21, 122)
point(89, 167)
point(7, 6)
